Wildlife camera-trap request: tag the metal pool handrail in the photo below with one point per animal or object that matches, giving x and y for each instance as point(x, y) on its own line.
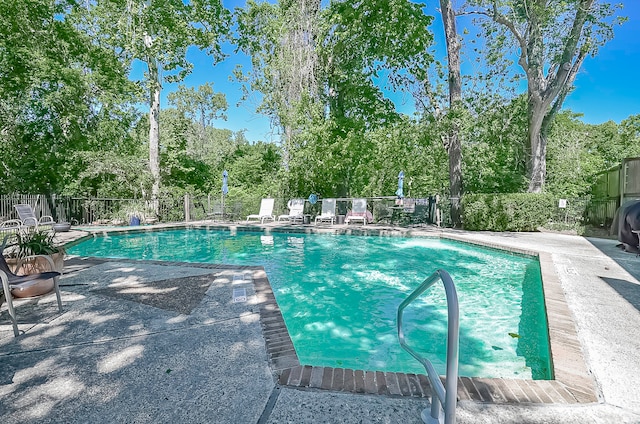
point(440, 394)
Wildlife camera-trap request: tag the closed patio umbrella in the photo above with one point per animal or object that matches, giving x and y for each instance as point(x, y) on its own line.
point(400, 184)
point(225, 188)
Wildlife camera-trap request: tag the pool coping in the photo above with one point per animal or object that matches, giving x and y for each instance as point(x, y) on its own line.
point(572, 384)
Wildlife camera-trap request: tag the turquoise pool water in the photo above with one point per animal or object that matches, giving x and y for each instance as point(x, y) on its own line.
point(339, 295)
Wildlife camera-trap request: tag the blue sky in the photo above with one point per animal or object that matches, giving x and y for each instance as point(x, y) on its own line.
point(607, 87)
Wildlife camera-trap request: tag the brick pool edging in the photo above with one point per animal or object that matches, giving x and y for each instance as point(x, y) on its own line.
point(572, 383)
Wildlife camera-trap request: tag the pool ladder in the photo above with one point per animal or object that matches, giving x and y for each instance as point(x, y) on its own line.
point(442, 396)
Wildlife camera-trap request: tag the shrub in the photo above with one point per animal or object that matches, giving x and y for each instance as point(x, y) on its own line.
point(507, 212)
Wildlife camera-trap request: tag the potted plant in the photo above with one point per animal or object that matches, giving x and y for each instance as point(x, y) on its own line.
point(36, 242)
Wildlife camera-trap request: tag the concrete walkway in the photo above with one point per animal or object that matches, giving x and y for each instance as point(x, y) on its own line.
point(133, 347)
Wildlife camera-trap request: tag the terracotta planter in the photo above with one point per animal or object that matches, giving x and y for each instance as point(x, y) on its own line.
point(35, 265)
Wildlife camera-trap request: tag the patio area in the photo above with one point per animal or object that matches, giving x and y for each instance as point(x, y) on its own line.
point(148, 342)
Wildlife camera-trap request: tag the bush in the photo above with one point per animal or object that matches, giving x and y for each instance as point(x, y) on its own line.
point(507, 212)
point(570, 219)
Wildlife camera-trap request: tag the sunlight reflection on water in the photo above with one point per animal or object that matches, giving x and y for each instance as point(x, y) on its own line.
point(339, 295)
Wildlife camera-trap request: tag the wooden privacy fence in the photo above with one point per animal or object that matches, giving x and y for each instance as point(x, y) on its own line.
point(613, 188)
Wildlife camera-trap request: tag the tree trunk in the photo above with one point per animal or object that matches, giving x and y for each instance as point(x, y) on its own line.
point(537, 161)
point(455, 97)
point(154, 132)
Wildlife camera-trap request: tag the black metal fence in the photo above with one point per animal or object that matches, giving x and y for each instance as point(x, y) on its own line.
point(94, 210)
point(572, 214)
point(411, 211)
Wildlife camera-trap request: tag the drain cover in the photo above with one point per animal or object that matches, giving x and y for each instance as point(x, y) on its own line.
point(239, 295)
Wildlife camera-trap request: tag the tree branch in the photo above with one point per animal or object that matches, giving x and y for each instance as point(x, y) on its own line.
point(501, 19)
point(557, 105)
point(566, 66)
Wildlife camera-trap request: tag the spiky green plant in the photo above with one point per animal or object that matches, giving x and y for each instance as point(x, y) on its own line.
point(35, 242)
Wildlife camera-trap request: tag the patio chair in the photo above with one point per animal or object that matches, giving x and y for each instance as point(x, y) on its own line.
point(217, 212)
point(328, 213)
point(31, 285)
point(29, 219)
point(266, 211)
point(296, 211)
point(11, 228)
point(358, 212)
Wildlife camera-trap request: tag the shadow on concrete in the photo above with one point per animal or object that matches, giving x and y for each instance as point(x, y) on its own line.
point(629, 261)
point(630, 291)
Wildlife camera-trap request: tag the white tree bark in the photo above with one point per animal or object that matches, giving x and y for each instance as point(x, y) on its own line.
point(154, 132)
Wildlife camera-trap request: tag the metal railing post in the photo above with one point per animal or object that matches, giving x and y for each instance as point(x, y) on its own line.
point(441, 395)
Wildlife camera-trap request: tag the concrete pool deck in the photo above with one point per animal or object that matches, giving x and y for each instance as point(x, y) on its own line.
point(122, 352)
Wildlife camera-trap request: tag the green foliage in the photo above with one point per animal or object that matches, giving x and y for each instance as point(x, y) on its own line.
point(374, 41)
point(571, 218)
point(281, 40)
point(70, 120)
point(615, 142)
point(579, 152)
point(551, 41)
point(333, 162)
point(493, 151)
point(320, 73)
point(35, 242)
point(55, 86)
point(202, 105)
point(255, 166)
point(157, 33)
point(507, 212)
point(572, 160)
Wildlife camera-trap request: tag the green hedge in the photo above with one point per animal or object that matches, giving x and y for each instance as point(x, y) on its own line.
point(507, 212)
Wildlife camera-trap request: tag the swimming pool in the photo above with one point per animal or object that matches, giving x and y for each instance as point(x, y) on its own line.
point(339, 295)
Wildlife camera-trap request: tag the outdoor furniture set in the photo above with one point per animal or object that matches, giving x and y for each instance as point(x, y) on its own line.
point(359, 212)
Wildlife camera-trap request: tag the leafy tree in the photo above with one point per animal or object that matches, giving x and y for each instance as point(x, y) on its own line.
point(202, 106)
point(281, 40)
point(494, 155)
point(368, 44)
point(553, 39)
point(573, 162)
point(630, 137)
point(158, 33)
point(113, 162)
point(319, 72)
point(56, 91)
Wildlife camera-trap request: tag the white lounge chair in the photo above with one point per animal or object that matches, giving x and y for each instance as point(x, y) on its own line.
point(296, 211)
point(266, 211)
point(328, 213)
point(29, 219)
point(358, 212)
